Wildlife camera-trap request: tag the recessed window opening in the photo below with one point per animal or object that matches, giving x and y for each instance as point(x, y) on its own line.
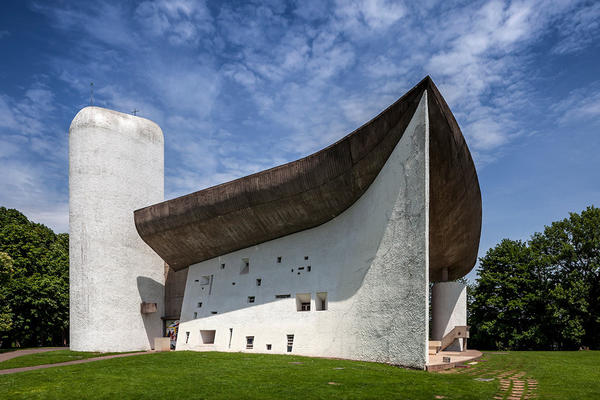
point(321, 301)
point(249, 342)
point(187, 337)
point(290, 343)
point(199, 304)
point(301, 268)
point(306, 257)
point(208, 336)
point(279, 259)
point(213, 312)
point(303, 301)
point(283, 296)
point(292, 269)
point(308, 268)
point(258, 282)
point(205, 280)
point(196, 280)
point(222, 266)
point(233, 283)
point(195, 315)
point(245, 266)
point(268, 347)
point(250, 299)
point(230, 336)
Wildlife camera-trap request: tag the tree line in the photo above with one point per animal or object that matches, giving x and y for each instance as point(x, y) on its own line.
point(543, 293)
point(34, 282)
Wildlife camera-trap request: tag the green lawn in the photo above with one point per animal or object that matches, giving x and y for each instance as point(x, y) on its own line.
point(566, 375)
point(48, 357)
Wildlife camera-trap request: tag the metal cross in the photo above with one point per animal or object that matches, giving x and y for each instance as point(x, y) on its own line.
point(135, 111)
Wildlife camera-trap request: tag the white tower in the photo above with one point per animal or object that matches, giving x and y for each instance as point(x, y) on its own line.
point(116, 165)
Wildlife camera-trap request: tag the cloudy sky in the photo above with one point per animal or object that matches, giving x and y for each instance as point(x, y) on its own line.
point(238, 87)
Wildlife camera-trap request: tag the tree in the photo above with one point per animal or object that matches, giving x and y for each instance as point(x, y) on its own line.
point(541, 294)
point(35, 292)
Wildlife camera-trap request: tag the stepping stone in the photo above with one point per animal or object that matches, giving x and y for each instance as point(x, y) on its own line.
point(484, 379)
point(332, 383)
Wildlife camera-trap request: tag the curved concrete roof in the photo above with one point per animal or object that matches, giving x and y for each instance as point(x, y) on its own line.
point(311, 191)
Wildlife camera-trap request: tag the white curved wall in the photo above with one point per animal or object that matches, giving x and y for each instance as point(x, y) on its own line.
point(371, 260)
point(448, 309)
point(116, 165)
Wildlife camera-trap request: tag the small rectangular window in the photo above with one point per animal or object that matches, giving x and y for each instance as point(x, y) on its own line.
point(187, 337)
point(213, 312)
point(290, 343)
point(321, 301)
point(245, 266)
point(283, 296)
point(250, 342)
point(278, 259)
point(250, 299)
point(199, 304)
point(303, 301)
point(258, 282)
point(308, 268)
point(268, 347)
point(208, 337)
point(195, 315)
point(306, 257)
point(205, 280)
point(222, 266)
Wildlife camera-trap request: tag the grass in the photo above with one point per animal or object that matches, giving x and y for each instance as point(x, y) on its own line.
point(49, 357)
point(560, 375)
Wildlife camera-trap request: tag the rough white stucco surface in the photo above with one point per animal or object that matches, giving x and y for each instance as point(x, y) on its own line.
point(371, 261)
point(448, 309)
point(116, 165)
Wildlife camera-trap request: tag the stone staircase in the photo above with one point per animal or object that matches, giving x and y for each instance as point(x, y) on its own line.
point(458, 332)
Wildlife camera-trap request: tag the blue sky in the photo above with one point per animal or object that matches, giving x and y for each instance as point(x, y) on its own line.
point(238, 87)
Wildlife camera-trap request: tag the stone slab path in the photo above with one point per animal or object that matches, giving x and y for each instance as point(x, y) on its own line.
point(23, 369)
point(514, 384)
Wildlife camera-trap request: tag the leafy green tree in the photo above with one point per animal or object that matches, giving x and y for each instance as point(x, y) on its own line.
point(36, 292)
point(541, 294)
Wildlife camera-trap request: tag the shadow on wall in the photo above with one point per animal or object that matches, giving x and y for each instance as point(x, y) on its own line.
point(151, 291)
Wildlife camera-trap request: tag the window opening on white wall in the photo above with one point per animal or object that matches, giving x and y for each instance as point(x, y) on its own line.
point(303, 301)
point(250, 342)
point(245, 266)
point(321, 301)
point(199, 304)
point(195, 315)
point(306, 257)
point(308, 268)
point(250, 299)
point(230, 336)
point(208, 336)
point(187, 337)
point(268, 347)
point(258, 282)
point(213, 312)
point(222, 266)
point(283, 296)
point(205, 280)
point(279, 259)
point(290, 343)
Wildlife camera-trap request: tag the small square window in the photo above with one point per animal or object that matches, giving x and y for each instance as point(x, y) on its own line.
point(258, 282)
point(268, 347)
point(250, 342)
point(306, 257)
point(208, 336)
point(199, 304)
point(250, 299)
point(278, 259)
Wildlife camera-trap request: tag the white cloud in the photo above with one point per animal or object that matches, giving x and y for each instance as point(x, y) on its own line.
point(580, 105)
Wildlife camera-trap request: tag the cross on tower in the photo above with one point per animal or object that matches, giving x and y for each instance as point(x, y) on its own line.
point(135, 111)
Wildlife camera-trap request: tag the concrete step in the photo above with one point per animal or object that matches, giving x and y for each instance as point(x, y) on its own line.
point(434, 346)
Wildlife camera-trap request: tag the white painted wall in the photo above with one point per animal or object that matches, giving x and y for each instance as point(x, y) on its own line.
point(372, 260)
point(448, 309)
point(116, 165)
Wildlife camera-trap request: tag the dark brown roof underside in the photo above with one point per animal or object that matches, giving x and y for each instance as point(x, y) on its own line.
point(313, 190)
